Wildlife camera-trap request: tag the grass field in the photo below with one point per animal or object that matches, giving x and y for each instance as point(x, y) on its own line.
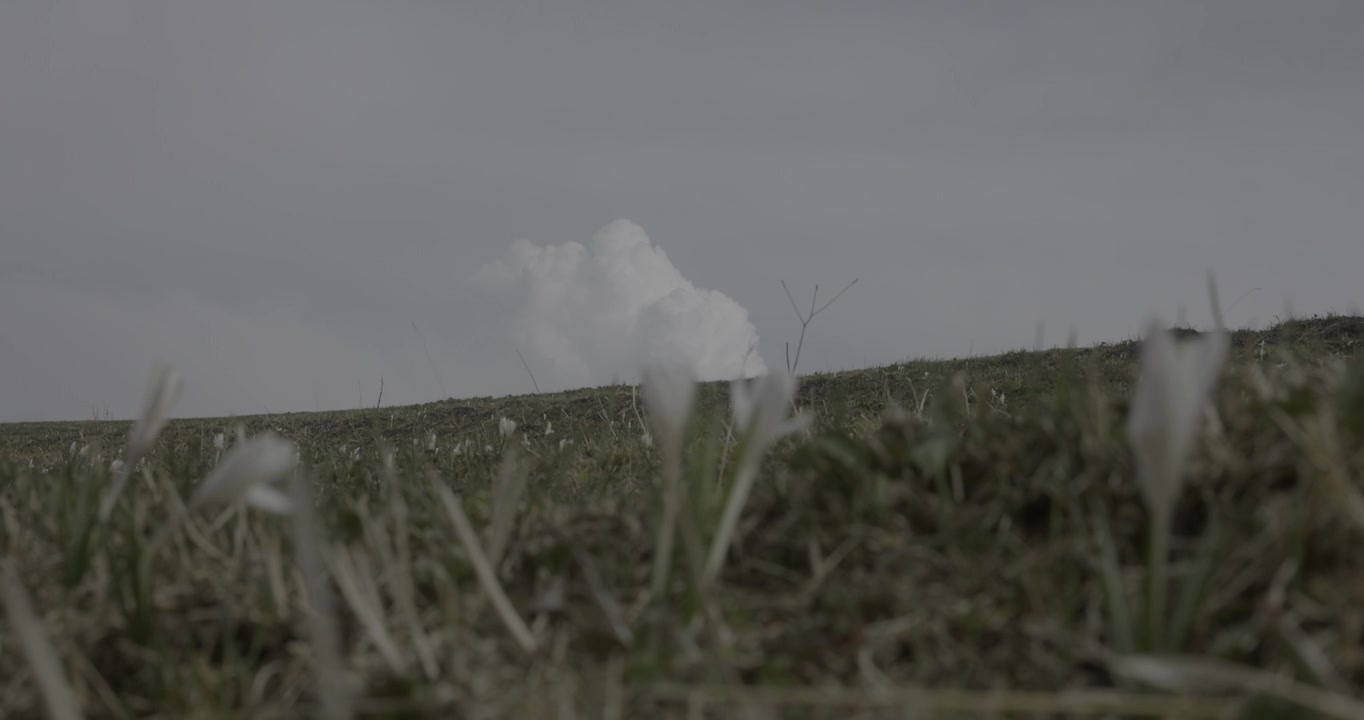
point(965, 538)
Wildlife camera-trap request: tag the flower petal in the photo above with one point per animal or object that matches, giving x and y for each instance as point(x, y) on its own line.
point(269, 499)
point(668, 394)
point(258, 460)
point(1172, 391)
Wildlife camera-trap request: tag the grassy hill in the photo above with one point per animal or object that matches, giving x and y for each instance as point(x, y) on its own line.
point(964, 535)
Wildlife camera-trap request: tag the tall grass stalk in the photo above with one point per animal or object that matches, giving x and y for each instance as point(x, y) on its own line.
point(760, 408)
point(36, 647)
point(334, 697)
point(947, 550)
point(669, 393)
point(487, 576)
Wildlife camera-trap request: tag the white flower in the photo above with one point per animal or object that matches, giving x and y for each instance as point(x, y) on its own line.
point(161, 394)
point(114, 467)
point(549, 428)
point(563, 442)
point(431, 441)
point(459, 447)
point(218, 442)
point(646, 439)
point(246, 472)
point(760, 408)
point(1177, 380)
point(668, 394)
point(506, 427)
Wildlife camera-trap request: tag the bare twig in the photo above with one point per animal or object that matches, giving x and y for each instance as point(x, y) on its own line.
point(536, 385)
point(805, 319)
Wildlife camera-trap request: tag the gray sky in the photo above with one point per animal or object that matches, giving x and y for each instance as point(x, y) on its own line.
point(269, 194)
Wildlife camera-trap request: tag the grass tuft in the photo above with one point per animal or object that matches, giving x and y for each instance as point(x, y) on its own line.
point(967, 538)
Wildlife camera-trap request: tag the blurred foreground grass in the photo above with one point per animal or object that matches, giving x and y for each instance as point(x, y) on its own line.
point(961, 537)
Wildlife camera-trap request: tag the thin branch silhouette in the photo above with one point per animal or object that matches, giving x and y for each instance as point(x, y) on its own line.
point(806, 318)
point(528, 372)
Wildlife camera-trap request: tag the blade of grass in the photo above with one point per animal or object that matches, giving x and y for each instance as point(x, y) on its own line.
point(1110, 573)
point(37, 648)
point(508, 490)
point(1193, 591)
point(334, 698)
point(923, 700)
point(1182, 673)
point(487, 577)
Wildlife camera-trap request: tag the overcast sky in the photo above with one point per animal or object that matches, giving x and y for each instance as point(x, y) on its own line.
point(290, 199)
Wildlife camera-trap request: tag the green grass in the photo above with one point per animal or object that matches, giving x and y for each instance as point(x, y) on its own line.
point(928, 545)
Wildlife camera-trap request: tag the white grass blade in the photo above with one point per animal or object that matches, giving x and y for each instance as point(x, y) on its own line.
point(464, 530)
point(760, 413)
point(1188, 674)
point(669, 393)
point(162, 392)
point(927, 702)
point(37, 649)
point(405, 590)
point(729, 521)
point(507, 494)
point(323, 629)
point(602, 595)
point(358, 589)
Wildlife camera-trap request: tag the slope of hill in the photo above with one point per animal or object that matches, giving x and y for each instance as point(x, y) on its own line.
point(963, 535)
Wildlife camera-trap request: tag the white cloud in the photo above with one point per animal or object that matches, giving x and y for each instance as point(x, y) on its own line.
point(587, 314)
